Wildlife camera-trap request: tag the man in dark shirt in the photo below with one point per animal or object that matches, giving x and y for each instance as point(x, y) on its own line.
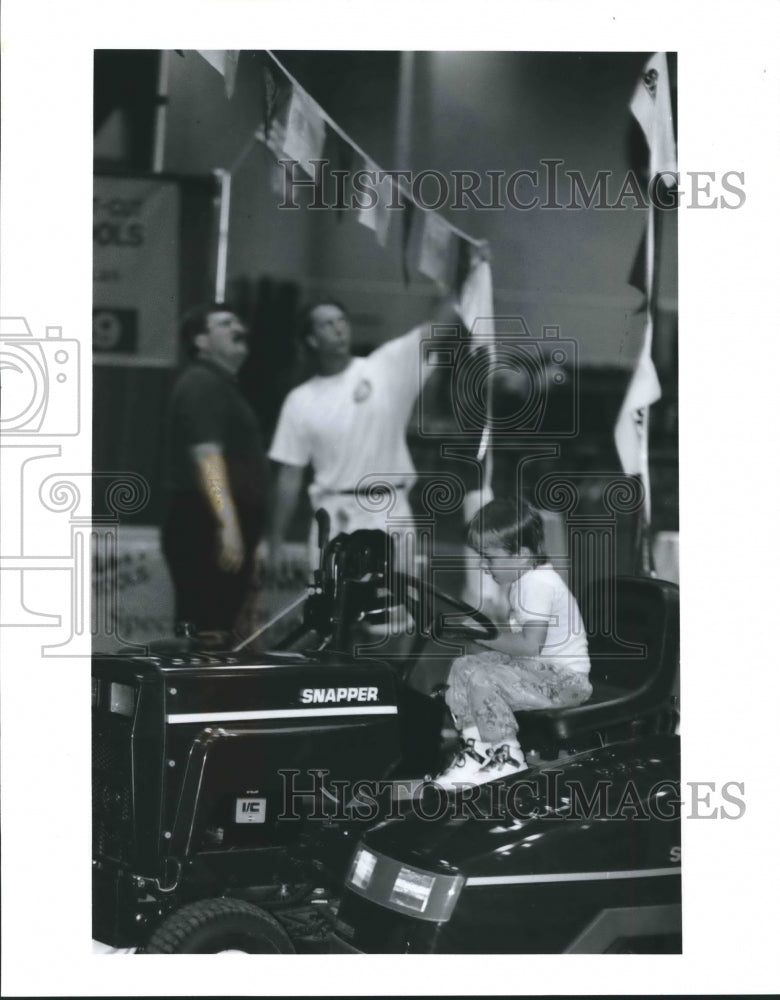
point(214, 475)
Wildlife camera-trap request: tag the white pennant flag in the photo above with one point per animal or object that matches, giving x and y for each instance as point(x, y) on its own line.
point(476, 302)
point(225, 62)
point(377, 217)
point(436, 248)
point(304, 136)
point(631, 428)
point(651, 105)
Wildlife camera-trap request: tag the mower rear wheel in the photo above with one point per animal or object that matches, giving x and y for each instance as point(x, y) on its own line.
point(219, 925)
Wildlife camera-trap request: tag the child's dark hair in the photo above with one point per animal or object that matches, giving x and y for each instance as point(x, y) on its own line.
point(510, 526)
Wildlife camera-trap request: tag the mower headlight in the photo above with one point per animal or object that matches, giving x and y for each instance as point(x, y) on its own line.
point(122, 699)
point(362, 868)
point(399, 887)
point(412, 889)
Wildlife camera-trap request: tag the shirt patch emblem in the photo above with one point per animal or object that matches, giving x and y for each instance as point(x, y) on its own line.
point(362, 391)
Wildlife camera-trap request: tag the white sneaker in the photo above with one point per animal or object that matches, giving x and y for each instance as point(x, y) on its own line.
point(503, 761)
point(468, 759)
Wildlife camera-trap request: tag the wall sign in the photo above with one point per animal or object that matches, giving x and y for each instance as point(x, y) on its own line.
point(135, 309)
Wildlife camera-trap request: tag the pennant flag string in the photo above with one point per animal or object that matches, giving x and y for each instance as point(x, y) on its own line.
point(371, 164)
point(248, 147)
point(293, 125)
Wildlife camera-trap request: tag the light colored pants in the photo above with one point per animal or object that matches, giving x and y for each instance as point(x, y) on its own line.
point(485, 689)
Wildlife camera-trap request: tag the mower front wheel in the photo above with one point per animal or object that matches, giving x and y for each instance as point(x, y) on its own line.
point(219, 925)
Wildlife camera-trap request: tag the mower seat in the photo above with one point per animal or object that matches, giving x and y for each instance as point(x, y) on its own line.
point(634, 656)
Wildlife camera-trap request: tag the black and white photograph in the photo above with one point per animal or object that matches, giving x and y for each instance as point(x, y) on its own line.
point(386, 507)
point(395, 508)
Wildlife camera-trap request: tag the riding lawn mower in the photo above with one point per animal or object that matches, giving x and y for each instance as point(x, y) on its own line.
point(280, 800)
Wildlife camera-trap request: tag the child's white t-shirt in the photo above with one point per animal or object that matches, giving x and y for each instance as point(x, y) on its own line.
point(540, 593)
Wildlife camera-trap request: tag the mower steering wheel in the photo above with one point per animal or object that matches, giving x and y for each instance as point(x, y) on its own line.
point(422, 609)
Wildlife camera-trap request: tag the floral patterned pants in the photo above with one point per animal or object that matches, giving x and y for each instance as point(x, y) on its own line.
point(485, 689)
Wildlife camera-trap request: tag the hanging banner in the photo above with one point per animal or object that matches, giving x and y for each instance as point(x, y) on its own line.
point(135, 307)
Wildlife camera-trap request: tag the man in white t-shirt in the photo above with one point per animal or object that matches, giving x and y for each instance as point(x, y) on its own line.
point(348, 422)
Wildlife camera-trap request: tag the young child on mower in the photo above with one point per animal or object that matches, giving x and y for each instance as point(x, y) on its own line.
point(540, 659)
